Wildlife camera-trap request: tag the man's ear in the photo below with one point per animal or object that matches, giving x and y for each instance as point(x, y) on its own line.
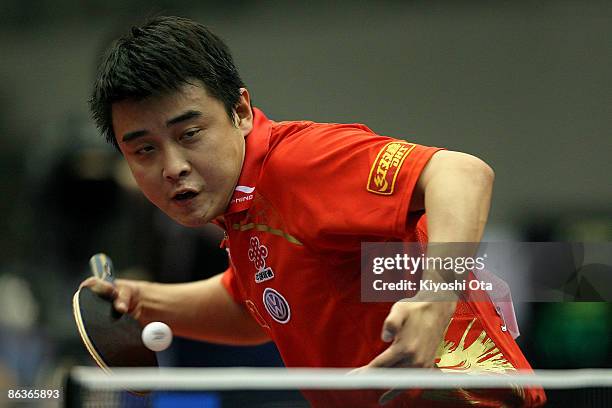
point(243, 113)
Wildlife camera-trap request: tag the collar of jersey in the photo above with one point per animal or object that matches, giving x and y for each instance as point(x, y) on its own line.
point(256, 147)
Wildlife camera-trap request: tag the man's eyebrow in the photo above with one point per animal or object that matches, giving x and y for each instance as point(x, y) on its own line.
point(133, 135)
point(128, 137)
point(183, 117)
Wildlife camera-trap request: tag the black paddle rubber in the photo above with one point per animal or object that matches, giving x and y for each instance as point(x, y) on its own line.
point(113, 339)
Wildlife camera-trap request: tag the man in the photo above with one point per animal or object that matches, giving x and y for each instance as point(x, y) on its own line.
point(296, 199)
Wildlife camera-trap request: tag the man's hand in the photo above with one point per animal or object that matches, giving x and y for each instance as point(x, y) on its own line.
point(124, 293)
point(415, 330)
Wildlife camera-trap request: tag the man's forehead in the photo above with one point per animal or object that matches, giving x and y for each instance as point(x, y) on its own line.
point(163, 107)
point(185, 93)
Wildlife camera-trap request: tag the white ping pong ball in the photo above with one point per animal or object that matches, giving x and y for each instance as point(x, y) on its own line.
point(157, 336)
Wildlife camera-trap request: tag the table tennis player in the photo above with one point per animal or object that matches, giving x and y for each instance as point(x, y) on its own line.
point(295, 199)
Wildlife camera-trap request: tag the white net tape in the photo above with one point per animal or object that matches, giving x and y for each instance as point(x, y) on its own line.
point(282, 379)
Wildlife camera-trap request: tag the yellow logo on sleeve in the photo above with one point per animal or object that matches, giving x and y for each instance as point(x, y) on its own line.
point(386, 167)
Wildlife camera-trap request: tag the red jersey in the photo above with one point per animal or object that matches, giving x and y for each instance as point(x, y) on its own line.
point(308, 195)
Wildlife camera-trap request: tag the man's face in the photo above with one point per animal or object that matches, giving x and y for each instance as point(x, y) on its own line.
point(184, 151)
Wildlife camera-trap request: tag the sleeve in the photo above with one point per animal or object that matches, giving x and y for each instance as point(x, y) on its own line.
point(228, 280)
point(348, 181)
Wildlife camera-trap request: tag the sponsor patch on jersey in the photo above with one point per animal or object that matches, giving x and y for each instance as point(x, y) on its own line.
point(247, 194)
point(258, 253)
point(264, 275)
point(386, 167)
point(276, 305)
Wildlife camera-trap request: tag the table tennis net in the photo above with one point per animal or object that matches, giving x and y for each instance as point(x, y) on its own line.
point(277, 387)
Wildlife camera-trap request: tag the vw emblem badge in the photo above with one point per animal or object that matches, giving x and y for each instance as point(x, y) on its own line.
point(276, 305)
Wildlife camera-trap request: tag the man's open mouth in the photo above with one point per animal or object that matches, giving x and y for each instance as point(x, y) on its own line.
point(185, 195)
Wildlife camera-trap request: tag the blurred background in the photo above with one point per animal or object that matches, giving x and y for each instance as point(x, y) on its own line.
point(524, 85)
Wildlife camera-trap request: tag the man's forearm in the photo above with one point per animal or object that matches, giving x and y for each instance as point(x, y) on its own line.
point(201, 310)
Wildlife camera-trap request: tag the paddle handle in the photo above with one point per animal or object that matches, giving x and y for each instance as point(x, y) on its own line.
point(102, 267)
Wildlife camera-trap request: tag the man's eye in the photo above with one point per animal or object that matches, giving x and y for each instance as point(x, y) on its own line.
point(189, 135)
point(144, 150)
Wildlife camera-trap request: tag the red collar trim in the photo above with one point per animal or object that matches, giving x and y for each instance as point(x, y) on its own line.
point(256, 148)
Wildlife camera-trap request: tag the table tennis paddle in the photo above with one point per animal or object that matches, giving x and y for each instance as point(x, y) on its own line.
point(113, 339)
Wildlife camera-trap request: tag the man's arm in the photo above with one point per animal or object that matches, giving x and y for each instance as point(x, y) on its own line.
point(455, 191)
point(201, 310)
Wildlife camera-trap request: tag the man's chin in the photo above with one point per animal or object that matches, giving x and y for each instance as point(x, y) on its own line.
point(192, 221)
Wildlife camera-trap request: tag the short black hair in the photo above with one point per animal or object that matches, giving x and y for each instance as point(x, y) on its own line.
point(158, 57)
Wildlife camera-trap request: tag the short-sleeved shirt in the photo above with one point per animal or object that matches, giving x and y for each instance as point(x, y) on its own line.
point(308, 195)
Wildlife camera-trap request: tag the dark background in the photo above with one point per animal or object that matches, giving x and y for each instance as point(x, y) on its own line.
point(524, 85)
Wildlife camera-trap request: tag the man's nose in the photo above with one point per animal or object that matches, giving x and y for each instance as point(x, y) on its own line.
point(176, 165)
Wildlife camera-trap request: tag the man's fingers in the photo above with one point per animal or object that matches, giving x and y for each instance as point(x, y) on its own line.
point(393, 393)
point(358, 370)
point(124, 297)
point(121, 296)
point(99, 286)
point(388, 358)
point(388, 396)
point(392, 324)
point(89, 282)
